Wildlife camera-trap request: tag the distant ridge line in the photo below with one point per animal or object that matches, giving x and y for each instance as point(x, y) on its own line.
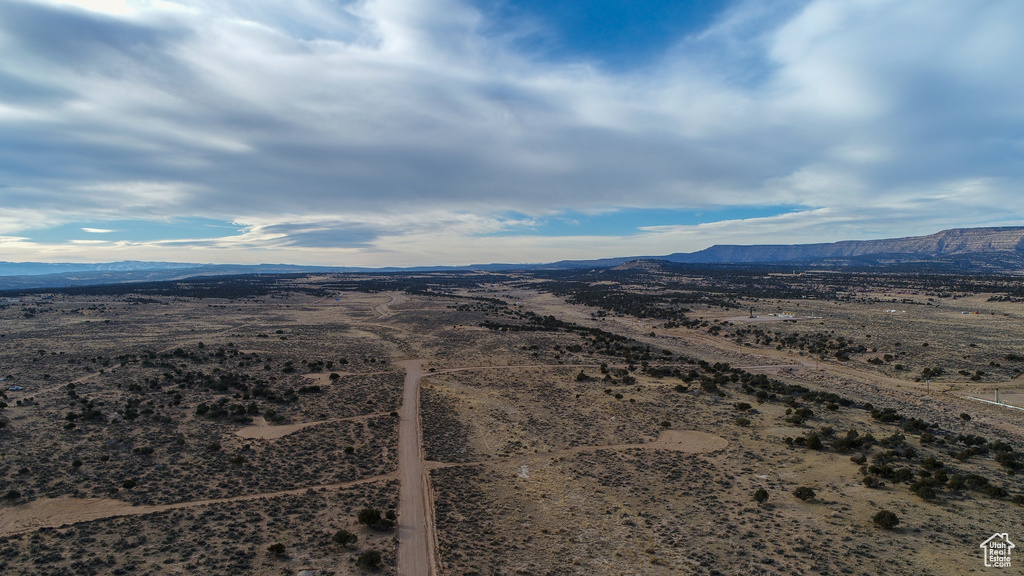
point(997, 250)
point(954, 242)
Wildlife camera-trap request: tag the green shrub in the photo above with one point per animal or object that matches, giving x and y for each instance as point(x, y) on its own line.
point(872, 481)
point(372, 517)
point(996, 492)
point(368, 516)
point(851, 441)
point(903, 475)
point(923, 490)
point(371, 559)
point(344, 538)
point(761, 495)
point(886, 519)
point(800, 415)
point(804, 493)
point(277, 549)
point(814, 442)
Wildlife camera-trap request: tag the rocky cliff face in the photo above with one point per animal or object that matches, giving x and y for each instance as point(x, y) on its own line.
point(948, 243)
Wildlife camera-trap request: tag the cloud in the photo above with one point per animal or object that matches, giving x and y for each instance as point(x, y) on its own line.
point(369, 126)
point(98, 230)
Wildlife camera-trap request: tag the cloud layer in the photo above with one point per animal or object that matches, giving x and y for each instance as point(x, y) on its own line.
point(406, 132)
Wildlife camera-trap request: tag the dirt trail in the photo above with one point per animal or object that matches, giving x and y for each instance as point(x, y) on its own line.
point(263, 430)
point(57, 512)
point(416, 530)
point(383, 309)
point(501, 367)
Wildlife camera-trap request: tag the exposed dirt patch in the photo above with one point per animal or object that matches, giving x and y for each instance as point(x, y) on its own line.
point(265, 431)
point(54, 512)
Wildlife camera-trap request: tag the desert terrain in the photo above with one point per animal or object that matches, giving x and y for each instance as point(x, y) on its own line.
point(636, 420)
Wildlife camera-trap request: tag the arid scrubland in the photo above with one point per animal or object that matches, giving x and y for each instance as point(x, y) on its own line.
point(148, 401)
point(611, 422)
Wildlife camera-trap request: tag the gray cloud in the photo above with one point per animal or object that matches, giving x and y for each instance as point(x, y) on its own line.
point(322, 235)
point(20, 91)
point(343, 111)
point(82, 40)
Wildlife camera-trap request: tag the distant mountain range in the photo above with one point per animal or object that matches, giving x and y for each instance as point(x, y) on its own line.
point(966, 250)
point(946, 244)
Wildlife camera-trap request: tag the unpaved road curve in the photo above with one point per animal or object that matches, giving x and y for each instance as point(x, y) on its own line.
point(383, 309)
point(416, 546)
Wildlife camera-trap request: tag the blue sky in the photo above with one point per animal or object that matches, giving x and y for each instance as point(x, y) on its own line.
point(399, 132)
point(630, 221)
point(138, 231)
point(618, 35)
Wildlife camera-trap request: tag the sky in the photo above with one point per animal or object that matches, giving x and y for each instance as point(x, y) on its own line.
point(430, 132)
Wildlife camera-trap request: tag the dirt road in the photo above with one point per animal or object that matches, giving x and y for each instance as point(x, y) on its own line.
point(383, 309)
point(416, 534)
